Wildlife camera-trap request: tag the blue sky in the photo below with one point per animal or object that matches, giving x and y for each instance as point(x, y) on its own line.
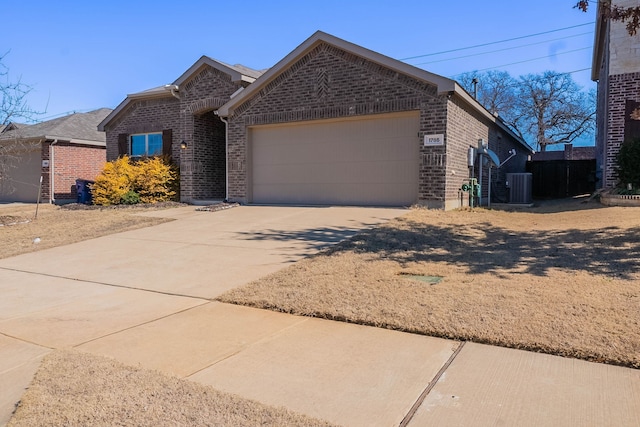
point(83, 55)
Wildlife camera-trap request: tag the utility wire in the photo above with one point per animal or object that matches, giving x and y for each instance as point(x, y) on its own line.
point(496, 42)
point(530, 60)
point(517, 83)
point(502, 50)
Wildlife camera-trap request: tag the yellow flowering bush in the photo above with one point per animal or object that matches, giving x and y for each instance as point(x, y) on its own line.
point(149, 180)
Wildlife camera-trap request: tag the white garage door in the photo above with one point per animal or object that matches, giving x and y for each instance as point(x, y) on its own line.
point(366, 161)
point(21, 177)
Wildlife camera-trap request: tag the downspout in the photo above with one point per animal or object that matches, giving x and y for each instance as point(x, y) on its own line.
point(52, 193)
point(226, 156)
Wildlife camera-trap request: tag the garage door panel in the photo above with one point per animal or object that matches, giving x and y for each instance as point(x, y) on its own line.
point(370, 161)
point(328, 194)
point(23, 176)
point(336, 173)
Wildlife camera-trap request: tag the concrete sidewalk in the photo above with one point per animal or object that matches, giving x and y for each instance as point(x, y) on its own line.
point(143, 297)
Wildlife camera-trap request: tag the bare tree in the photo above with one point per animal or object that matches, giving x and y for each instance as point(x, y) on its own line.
point(629, 14)
point(13, 98)
point(552, 109)
point(543, 109)
point(495, 89)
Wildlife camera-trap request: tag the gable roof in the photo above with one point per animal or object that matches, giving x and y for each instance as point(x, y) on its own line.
point(238, 73)
point(79, 128)
point(444, 84)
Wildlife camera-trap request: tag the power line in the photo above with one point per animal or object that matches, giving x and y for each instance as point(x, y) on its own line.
point(502, 50)
point(530, 60)
point(496, 42)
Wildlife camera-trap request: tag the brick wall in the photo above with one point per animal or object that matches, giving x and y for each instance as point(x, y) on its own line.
point(144, 116)
point(330, 83)
point(191, 119)
point(465, 127)
point(70, 162)
point(620, 88)
point(202, 166)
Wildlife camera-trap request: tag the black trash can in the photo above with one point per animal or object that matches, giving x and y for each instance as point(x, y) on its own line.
point(83, 191)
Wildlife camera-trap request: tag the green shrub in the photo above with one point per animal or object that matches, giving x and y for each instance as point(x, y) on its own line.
point(124, 181)
point(628, 168)
point(130, 198)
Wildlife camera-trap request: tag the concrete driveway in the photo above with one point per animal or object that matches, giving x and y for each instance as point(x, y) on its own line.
point(144, 298)
point(203, 254)
point(76, 295)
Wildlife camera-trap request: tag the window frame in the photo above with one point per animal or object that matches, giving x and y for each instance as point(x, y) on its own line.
point(159, 152)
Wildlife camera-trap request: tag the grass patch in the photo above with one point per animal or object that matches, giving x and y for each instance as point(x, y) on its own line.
point(562, 279)
point(78, 389)
point(58, 226)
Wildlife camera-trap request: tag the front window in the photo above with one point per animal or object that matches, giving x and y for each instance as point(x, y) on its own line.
point(146, 144)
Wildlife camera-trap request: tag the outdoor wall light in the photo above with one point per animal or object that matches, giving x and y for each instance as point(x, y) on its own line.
point(183, 145)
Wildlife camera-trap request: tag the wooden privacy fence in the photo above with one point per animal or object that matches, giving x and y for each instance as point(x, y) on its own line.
point(555, 179)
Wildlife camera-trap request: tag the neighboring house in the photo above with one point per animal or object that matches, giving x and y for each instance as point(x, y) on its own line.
point(59, 150)
point(616, 68)
point(331, 123)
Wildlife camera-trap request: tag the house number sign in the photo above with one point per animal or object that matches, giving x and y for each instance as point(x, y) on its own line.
point(431, 140)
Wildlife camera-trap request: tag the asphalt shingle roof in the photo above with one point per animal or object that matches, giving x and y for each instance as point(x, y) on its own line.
point(77, 126)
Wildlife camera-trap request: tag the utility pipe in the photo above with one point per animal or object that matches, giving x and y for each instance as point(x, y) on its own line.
point(52, 193)
point(226, 155)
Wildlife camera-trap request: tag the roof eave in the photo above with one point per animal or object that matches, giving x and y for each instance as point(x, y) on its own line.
point(130, 98)
point(598, 44)
point(236, 76)
point(76, 141)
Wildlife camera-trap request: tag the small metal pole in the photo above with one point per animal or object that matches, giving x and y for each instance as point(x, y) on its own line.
point(38, 200)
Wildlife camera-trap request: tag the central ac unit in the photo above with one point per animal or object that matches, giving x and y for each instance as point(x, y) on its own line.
point(520, 185)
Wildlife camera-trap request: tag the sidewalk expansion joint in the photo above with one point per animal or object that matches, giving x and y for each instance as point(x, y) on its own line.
point(141, 324)
point(4, 334)
point(407, 419)
point(265, 338)
point(133, 288)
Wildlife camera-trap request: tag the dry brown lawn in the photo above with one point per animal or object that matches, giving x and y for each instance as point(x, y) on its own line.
point(78, 389)
point(562, 278)
point(56, 226)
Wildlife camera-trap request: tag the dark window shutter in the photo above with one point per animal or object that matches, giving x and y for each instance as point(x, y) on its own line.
point(631, 120)
point(167, 139)
point(123, 144)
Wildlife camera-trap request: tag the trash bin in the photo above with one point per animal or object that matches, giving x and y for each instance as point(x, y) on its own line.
point(83, 191)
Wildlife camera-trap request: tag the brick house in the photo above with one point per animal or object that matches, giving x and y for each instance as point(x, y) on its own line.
point(59, 150)
point(182, 114)
point(331, 123)
point(616, 68)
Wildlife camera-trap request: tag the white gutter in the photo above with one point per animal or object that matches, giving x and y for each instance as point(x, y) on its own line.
point(173, 89)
